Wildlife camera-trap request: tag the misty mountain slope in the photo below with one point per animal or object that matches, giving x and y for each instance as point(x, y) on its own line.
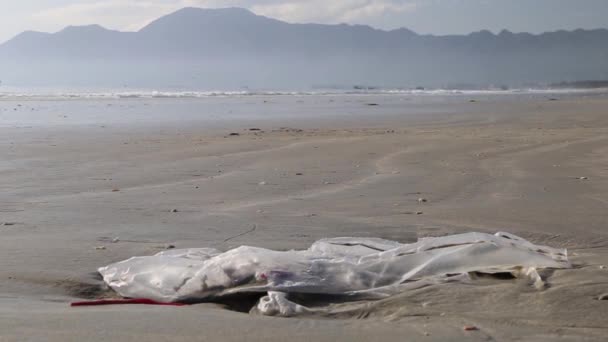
point(232, 47)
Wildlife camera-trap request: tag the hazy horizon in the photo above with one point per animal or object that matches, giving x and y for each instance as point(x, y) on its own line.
point(234, 48)
point(437, 17)
point(493, 31)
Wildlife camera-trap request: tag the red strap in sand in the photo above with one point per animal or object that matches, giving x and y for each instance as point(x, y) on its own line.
point(124, 301)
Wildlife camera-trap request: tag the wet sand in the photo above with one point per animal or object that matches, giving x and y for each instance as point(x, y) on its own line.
point(535, 168)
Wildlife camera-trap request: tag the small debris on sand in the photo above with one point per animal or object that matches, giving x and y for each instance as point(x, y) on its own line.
point(289, 130)
point(372, 104)
point(470, 328)
point(100, 248)
point(583, 178)
point(299, 174)
point(9, 224)
point(603, 296)
point(115, 240)
point(115, 190)
point(262, 183)
point(170, 247)
point(419, 213)
point(254, 129)
point(422, 200)
point(602, 267)
point(174, 211)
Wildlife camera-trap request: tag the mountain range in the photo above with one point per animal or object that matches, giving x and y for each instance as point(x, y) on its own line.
point(234, 48)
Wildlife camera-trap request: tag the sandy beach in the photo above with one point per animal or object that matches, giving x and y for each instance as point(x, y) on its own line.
point(77, 197)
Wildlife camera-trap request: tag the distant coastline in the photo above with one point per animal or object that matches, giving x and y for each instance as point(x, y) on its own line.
point(197, 48)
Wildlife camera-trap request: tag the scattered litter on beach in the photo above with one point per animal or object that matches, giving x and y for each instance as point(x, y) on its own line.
point(356, 268)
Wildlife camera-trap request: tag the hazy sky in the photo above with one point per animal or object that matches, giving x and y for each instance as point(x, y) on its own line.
point(423, 16)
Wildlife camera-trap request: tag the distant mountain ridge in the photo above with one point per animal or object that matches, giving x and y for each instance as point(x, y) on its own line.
point(232, 47)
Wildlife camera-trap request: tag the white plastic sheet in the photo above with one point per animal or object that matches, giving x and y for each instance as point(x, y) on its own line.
point(342, 266)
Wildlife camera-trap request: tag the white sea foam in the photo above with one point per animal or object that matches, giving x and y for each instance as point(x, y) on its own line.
point(18, 93)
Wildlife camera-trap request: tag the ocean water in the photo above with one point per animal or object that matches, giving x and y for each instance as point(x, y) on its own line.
point(128, 108)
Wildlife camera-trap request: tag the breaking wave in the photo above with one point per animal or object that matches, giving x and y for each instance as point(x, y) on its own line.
point(14, 93)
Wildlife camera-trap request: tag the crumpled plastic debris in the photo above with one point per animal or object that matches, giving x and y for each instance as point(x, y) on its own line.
point(360, 267)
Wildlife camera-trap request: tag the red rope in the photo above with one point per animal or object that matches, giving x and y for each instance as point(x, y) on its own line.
point(124, 301)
